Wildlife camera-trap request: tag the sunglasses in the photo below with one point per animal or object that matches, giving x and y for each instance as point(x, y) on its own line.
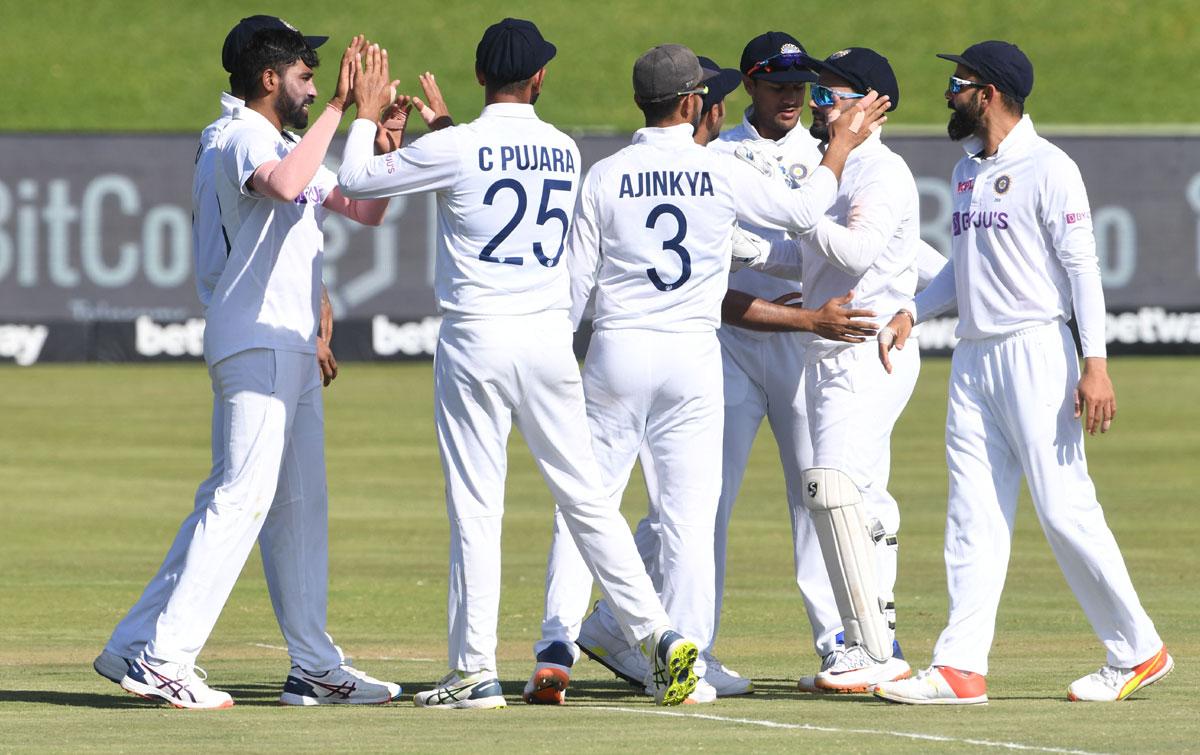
point(957, 84)
point(824, 96)
point(784, 61)
point(700, 90)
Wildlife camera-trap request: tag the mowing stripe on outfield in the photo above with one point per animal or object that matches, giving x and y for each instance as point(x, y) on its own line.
point(836, 730)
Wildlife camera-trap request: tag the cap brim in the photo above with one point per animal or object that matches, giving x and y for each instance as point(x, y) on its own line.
point(721, 84)
point(790, 76)
point(956, 59)
point(315, 42)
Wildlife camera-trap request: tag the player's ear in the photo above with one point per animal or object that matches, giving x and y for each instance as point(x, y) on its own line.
point(269, 80)
point(538, 78)
point(748, 85)
point(479, 77)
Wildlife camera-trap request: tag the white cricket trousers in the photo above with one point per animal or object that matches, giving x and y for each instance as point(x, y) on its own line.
point(1011, 414)
point(663, 391)
point(267, 483)
point(281, 560)
point(763, 378)
point(853, 405)
point(489, 373)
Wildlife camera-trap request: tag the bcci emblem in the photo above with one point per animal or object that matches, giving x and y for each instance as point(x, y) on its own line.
point(789, 49)
point(1002, 184)
point(839, 54)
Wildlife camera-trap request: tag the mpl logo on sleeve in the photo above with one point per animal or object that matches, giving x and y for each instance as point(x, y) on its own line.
point(22, 343)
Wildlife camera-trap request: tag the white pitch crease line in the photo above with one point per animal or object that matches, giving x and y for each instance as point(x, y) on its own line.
point(836, 730)
point(268, 647)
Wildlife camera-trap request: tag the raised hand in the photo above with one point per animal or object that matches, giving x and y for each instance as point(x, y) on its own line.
point(850, 128)
point(389, 136)
point(345, 85)
point(435, 114)
point(373, 87)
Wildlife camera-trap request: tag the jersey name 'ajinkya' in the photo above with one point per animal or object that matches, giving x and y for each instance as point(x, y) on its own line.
point(527, 157)
point(666, 183)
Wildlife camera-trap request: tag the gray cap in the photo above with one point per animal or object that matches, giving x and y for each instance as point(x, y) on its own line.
point(665, 71)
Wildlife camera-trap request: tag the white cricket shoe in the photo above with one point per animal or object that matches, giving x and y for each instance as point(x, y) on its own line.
point(458, 690)
point(344, 685)
point(725, 681)
point(828, 661)
point(673, 658)
point(1111, 683)
point(936, 685)
point(181, 686)
point(856, 671)
point(551, 676)
point(111, 666)
point(613, 652)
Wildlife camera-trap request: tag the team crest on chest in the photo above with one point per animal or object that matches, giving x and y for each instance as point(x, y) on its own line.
point(797, 172)
point(1002, 185)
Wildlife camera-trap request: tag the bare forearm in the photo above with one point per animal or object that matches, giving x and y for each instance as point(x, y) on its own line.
point(752, 313)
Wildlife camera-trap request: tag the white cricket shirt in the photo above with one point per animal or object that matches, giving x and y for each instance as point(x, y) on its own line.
point(505, 184)
point(798, 155)
point(1022, 244)
point(210, 247)
point(268, 295)
point(654, 225)
point(868, 240)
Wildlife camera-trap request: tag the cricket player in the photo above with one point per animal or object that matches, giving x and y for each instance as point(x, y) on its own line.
point(653, 370)
point(505, 184)
point(764, 320)
point(260, 340)
point(1024, 259)
point(869, 242)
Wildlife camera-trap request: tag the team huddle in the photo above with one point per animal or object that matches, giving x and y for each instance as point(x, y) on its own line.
point(690, 249)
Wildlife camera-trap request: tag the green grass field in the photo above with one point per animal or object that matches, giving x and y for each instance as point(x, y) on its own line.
point(148, 65)
point(100, 464)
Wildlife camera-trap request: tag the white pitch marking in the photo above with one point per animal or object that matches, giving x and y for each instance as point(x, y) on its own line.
point(268, 647)
point(835, 730)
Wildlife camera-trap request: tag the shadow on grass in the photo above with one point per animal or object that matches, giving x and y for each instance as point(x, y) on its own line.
point(73, 699)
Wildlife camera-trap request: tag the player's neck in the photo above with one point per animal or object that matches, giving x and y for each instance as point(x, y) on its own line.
point(996, 130)
point(767, 131)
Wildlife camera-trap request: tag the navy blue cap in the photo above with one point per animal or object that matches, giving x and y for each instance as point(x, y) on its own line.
point(865, 70)
point(512, 50)
point(1001, 64)
point(721, 84)
point(240, 36)
point(766, 46)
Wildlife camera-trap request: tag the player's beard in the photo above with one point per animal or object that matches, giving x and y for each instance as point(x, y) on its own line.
point(291, 111)
point(965, 121)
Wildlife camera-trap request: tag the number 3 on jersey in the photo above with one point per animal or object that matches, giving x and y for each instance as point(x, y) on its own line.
point(545, 214)
point(674, 244)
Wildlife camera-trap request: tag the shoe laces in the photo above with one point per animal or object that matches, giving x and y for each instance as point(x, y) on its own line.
point(830, 660)
point(1111, 676)
point(857, 657)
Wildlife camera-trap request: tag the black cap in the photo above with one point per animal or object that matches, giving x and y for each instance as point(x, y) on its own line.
point(512, 50)
point(724, 81)
point(865, 69)
point(776, 44)
point(1001, 64)
point(240, 35)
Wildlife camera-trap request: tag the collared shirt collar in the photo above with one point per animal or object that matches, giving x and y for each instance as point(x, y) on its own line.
point(229, 103)
point(1017, 141)
point(680, 132)
point(254, 118)
point(508, 110)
